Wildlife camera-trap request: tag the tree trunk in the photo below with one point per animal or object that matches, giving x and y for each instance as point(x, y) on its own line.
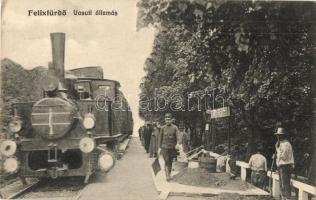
point(251, 135)
point(312, 172)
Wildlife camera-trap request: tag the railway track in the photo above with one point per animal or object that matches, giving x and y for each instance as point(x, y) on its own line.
point(58, 189)
point(23, 190)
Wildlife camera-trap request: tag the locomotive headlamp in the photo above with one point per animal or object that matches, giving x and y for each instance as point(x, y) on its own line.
point(11, 165)
point(8, 148)
point(15, 126)
point(86, 145)
point(89, 121)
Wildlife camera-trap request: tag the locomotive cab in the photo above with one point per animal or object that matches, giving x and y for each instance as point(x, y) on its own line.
point(83, 90)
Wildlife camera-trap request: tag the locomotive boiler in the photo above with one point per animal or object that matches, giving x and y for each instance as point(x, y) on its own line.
point(74, 130)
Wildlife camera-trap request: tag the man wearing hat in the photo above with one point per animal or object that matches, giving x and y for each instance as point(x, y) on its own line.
point(168, 143)
point(258, 166)
point(284, 162)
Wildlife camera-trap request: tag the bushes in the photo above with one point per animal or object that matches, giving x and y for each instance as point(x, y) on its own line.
point(18, 85)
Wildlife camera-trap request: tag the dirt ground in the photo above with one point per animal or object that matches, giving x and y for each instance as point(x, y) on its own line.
point(199, 177)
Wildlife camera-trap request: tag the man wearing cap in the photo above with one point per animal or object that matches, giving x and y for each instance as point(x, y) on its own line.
point(168, 143)
point(284, 162)
point(258, 166)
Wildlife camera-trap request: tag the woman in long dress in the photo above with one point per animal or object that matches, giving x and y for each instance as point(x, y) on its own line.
point(153, 147)
point(186, 139)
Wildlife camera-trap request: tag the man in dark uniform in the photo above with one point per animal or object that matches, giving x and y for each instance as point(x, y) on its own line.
point(168, 143)
point(147, 134)
point(140, 134)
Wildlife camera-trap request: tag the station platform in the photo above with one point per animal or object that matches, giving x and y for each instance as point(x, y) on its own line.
point(173, 188)
point(129, 179)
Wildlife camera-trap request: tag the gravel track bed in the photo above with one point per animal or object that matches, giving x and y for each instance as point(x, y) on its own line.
point(59, 188)
point(7, 179)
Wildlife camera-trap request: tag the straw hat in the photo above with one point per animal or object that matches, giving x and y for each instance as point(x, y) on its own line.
point(280, 131)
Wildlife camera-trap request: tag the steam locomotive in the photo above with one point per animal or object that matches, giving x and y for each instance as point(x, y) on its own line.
point(74, 130)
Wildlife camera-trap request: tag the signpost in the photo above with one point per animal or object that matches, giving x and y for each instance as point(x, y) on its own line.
point(220, 113)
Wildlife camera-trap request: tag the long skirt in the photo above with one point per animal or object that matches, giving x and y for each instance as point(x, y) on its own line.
point(147, 141)
point(153, 147)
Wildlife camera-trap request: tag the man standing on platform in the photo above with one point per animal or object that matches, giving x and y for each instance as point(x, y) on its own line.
point(141, 134)
point(168, 143)
point(147, 134)
point(284, 162)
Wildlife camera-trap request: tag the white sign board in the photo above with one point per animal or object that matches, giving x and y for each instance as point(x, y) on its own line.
point(220, 112)
point(207, 127)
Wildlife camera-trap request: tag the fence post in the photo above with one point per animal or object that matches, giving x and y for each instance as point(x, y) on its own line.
point(243, 169)
point(275, 188)
point(302, 195)
point(243, 173)
point(227, 166)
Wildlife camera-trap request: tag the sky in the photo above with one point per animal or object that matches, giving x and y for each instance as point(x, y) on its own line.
point(108, 41)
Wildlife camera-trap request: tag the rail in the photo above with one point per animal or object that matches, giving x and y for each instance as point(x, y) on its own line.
point(303, 189)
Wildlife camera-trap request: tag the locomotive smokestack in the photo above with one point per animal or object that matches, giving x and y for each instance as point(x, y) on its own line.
point(58, 50)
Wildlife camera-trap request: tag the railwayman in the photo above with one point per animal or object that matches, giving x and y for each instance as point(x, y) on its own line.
point(168, 143)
